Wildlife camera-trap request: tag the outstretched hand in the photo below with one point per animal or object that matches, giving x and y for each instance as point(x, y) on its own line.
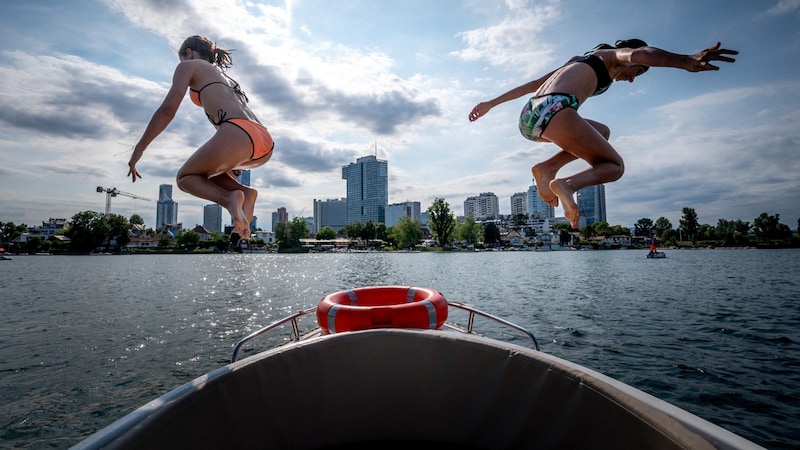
point(701, 59)
point(479, 110)
point(132, 172)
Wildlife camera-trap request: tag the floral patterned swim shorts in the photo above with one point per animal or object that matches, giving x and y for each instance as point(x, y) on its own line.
point(539, 110)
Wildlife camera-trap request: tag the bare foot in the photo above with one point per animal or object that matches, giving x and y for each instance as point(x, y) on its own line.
point(241, 225)
point(564, 193)
point(249, 205)
point(542, 179)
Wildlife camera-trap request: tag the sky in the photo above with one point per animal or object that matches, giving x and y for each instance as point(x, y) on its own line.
point(335, 81)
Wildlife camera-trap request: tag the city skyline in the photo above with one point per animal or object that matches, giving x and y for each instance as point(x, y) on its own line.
point(336, 81)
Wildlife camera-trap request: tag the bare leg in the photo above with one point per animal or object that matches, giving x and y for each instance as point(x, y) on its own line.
point(546, 171)
point(564, 192)
point(227, 149)
point(228, 182)
point(586, 140)
point(233, 201)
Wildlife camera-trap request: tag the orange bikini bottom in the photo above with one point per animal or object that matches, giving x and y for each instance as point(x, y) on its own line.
point(260, 138)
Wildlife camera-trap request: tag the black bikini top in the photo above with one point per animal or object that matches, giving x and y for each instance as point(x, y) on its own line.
point(603, 79)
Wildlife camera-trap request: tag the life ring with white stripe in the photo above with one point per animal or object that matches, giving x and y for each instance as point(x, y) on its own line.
point(382, 307)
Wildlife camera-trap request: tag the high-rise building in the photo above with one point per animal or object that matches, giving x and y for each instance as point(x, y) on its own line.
point(592, 204)
point(279, 216)
point(397, 210)
point(212, 217)
point(367, 189)
point(166, 208)
point(519, 204)
point(537, 208)
point(486, 205)
point(329, 213)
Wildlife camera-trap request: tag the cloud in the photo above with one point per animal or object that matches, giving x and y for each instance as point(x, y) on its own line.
point(508, 42)
point(784, 7)
point(67, 96)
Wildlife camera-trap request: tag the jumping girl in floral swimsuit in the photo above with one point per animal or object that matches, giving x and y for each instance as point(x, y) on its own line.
point(552, 114)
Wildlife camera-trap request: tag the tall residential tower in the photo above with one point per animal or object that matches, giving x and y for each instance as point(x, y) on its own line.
point(166, 208)
point(367, 189)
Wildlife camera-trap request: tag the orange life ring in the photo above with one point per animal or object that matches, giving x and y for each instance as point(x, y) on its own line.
point(382, 307)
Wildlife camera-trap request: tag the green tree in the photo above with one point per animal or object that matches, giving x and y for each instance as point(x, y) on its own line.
point(441, 221)
point(588, 232)
point(643, 227)
point(354, 230)
point(282, 237)
point(218, 241)
point(469, 231)
point(32, 244)
point(564, 235)
point(669, 236)
point(407, 232)
point(618, 230)
point(298, 229)
point(689, 223)
point(189, 239)
point(9, 232)
point(288, 234)
point(706, 232)
point(381, 232)
point(368, 233)
point(326, 233)
point(87, 231)
point(136, 220)
point(491, 233)
point(118, 227)
point(769, 228)
point(164, 242)
point(662, 224)
point(602, 229)
point(732, 233)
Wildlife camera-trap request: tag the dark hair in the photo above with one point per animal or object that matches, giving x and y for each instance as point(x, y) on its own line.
point(630, 43)
point(220, 57)
point(627, 43)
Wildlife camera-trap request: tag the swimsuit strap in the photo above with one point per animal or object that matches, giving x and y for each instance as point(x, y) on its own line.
point(236, 88)
point(601, 72)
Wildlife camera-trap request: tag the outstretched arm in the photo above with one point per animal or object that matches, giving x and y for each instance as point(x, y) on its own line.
point(482, 108)
point(655, 57)
point(162, 117)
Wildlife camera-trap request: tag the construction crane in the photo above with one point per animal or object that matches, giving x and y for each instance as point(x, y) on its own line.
point(113, 192)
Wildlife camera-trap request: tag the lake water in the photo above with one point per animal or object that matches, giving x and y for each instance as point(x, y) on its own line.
point(85, 340)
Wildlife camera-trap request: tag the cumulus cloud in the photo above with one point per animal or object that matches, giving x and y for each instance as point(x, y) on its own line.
point(508, 42)
point(64, 95)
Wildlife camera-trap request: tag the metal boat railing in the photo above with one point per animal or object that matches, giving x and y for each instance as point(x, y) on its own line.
point(471, 320)
point(296, 335)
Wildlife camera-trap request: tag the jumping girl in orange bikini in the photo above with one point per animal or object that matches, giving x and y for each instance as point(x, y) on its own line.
point(241, 141)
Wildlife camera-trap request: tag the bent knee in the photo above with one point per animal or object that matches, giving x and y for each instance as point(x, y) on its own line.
point(181, 181)
point(618, 171)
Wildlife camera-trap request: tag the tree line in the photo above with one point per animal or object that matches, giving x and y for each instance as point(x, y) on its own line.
point(766, 231)
point(89, 231)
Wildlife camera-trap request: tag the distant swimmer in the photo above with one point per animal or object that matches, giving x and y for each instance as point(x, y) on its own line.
point(551, 115)
point(241, 141)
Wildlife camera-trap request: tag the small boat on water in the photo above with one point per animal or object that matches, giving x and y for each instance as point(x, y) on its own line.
point(654, 253)
point(431, 384)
